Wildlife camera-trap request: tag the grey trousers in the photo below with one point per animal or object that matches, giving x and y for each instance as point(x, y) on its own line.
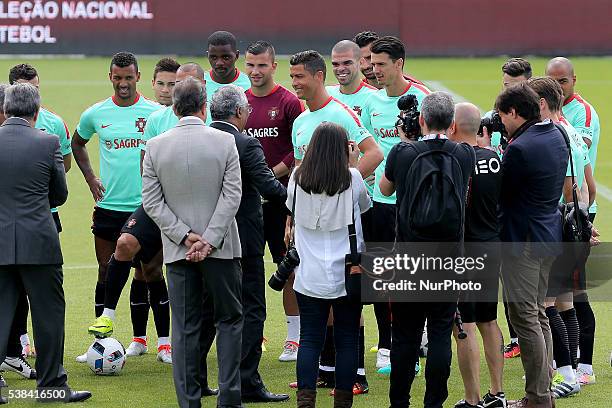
point(43, 285)
point(188, 285)
point(525, 280)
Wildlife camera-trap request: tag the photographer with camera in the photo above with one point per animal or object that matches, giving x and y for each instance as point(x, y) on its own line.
point(327, 197)
point(481, 231)
point(433, 170)
point(533, 174)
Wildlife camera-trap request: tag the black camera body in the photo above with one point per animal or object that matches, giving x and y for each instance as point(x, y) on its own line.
point(494, 124)
point(285, 269)
point(408, 119)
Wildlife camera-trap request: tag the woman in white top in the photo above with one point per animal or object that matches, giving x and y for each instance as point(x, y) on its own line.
point(329, 197)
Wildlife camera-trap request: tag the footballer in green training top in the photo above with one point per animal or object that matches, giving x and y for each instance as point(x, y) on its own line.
point(307, 73)
point(119, 121)
point(47, 120)
point(380, 111)
point(222, 56)
point(578, 112)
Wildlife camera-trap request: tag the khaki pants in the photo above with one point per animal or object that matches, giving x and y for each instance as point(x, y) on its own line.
point(525, 280)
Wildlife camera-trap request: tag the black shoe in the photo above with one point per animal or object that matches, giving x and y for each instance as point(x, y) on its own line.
point(78, 396)
point(209, 392)
point(263, 395)
point(3, 400)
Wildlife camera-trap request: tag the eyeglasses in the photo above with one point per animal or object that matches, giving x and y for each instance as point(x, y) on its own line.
point(249, 108)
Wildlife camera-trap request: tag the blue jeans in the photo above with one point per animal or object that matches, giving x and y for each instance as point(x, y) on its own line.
point(313, 322)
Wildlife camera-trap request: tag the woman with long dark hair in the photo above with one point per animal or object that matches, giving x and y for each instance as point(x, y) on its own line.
point(329, 196)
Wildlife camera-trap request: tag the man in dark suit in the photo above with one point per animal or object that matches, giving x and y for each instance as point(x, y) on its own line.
point(230, 110)
point(533, 167)
point(30, 253)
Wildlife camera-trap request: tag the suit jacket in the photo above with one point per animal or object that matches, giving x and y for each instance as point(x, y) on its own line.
point(534, 167)
point(257, 181)
point(33, 181)
point(191, 181)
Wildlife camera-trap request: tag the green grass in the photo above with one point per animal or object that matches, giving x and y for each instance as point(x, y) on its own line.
point(69, 86)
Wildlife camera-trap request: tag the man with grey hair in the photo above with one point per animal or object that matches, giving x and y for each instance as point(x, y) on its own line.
point(34, 175)
point(194, 202)
point(410, 166)
point(230, 111)
point(481, 225)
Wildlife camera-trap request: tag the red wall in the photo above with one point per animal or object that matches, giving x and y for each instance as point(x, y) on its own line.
point(428, 27)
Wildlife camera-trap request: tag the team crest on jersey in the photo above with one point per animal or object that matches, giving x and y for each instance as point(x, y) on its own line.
point(357, 110)
point(273, 113)
point(109, 144)
point(140, 124)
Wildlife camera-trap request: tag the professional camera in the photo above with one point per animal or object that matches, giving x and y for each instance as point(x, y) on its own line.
point(493, 124)
point(285, 268)
point(409, 116)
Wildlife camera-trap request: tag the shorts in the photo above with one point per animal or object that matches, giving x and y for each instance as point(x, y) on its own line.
point(367, 225)
point(274, 219)
point(107, 224)
point(383, 222)
point(56, 220)
point(148, 234)
point(568, 271)
point(482, 307)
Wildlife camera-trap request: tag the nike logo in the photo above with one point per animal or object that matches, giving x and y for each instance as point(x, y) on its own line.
point(105, 126)
point(164, 303)
point(138, 304)
point(376, 114)
point(18, 368)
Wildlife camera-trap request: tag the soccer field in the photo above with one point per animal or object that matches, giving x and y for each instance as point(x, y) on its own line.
point(69, 86)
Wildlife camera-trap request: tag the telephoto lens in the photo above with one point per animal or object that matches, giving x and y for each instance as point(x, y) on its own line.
point(285, 268)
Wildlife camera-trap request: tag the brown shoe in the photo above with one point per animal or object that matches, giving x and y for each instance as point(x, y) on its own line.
point(343, 398)
point(306, 398)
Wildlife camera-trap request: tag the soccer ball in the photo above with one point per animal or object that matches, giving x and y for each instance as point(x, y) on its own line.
point(106, 356)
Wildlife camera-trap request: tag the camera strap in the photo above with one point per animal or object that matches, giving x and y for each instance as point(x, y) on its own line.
point(292, 223)
point(574, 183)
point(352, 235)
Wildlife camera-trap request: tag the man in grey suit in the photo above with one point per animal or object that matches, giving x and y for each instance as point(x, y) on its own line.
point(191, 188)
point(30, 255)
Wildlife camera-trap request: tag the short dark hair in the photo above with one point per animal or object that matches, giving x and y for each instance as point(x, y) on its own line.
point(365, 38)
point(260, 47)
point(520, 97)
point(548, 89)
point(166, 65)
point(124, 60)
point(222, 38)
point(22, 71)
point(325, 168)
point(312, 61)
point(516, 67)
point(390, 45)
point(188, 97)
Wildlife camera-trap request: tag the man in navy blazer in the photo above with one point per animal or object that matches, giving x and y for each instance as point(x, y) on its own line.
point(534, 168)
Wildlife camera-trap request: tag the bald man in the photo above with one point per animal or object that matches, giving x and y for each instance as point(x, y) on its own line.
point(583, 117)
point(480, 226)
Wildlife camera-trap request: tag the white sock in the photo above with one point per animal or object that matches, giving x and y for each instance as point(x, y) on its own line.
point(567, 373)
point(293, 328)
point(110, 313)
point(163, 341)
point(361, 371)
point(514, 340)
point(24, 339)
point(585, 368)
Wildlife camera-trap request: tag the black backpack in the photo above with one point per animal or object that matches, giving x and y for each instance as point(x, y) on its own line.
point(434, 203)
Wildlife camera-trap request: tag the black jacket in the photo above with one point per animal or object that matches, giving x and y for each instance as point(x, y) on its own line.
point(257, 181)
point(33, 181)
